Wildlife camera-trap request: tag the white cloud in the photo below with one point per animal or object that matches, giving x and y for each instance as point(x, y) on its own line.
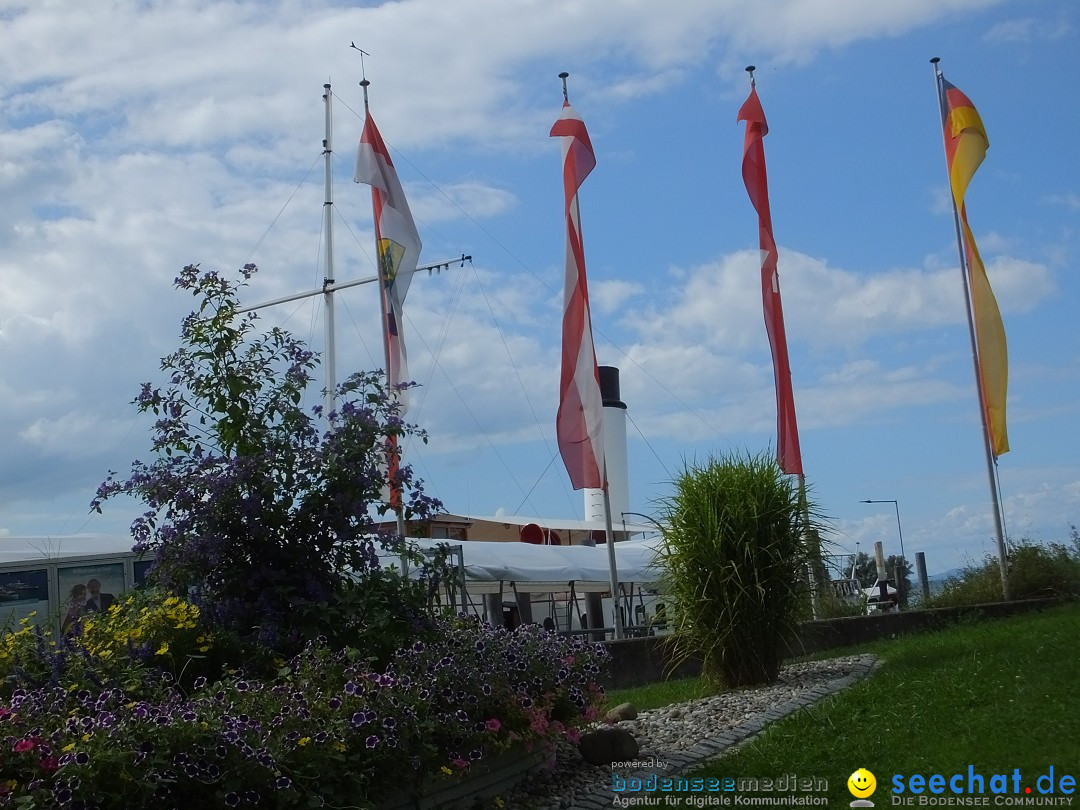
point(455, 201)
point(1070, 200)
point(611, 295)
point(1028, 29)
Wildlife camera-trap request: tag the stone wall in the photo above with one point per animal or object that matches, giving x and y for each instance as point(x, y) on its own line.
point(639, 661)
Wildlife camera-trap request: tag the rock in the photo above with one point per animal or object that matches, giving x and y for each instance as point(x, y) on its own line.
point(624, 711)
point(606, 745)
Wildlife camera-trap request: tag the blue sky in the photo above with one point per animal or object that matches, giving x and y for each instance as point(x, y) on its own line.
point(196, 137)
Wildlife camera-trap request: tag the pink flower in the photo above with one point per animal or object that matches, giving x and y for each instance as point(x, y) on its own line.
point(49, 764)
point(493, 724)
point(25, 745)
point(569, 660)
point(459, 762)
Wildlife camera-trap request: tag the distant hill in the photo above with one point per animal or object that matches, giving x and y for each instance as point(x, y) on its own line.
point(937, 581)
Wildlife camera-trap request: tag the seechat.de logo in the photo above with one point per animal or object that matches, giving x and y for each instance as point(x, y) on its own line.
point(862, 784)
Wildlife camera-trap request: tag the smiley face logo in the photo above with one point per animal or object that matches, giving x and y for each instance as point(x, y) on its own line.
point(861, 783)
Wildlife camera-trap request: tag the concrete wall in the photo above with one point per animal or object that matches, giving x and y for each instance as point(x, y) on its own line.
point(639, 661)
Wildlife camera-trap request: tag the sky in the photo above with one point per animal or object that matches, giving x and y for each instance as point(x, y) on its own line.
point(136, 138)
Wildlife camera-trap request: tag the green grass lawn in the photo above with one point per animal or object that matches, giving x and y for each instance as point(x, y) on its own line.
point(997, 696)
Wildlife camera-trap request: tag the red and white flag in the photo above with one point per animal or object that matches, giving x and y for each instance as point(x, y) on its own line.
point(579, 423)
point(788, 454)
point(397, 239)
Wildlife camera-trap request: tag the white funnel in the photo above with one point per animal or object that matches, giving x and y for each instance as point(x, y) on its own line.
point(615, 452)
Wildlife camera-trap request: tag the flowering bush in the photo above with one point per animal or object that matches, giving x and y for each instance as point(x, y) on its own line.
point(146, 627)
point(260, 517)
point(273, 663)
point(328, 728)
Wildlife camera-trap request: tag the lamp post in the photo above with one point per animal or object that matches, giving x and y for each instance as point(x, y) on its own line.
point(901, 590)
point(659, 526)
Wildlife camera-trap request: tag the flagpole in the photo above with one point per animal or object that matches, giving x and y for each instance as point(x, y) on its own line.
point(330, 393)
point(965, 271)
point(392, 447)
point(788, 452)
point(613, 575)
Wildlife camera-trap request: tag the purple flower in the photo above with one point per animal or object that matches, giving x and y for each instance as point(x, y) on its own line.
point(284, 782)
point(232, 799)
point(371, 741)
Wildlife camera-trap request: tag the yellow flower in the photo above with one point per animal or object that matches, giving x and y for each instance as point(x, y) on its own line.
point(203, 648)
point(446, 770)
point(339, 746)
point(86, 737)
point(69, 747)
point(304, 741)
point(164, 648)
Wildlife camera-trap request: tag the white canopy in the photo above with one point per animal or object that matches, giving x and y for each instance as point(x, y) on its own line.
point(45, 548)
point(488, 565)
point(542, 569)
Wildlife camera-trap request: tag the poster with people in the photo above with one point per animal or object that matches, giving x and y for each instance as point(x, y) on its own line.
point(23, 595)
point(87, 589)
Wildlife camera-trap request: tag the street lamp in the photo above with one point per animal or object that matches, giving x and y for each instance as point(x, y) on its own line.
point(900, 531)
point(659, 526)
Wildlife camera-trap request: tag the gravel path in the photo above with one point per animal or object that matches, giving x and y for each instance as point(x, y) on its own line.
point(680, 737)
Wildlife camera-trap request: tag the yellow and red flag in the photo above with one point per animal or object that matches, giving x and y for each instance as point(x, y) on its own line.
point(965, 147)
point(788, 453)
point(398, 243)
point(399, 249)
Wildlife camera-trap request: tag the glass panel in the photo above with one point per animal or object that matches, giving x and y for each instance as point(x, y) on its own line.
point(24, 594)
point(87, 589)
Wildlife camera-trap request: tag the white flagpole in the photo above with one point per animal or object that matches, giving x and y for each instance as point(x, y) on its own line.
point(613, 573)
point(965, 270)
point(330, 393)
point(383, 304)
